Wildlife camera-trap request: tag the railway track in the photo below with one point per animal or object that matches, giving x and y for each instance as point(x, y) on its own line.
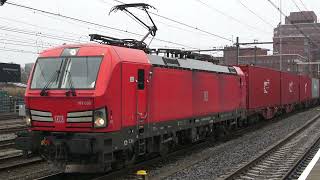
point(299, 167)
point(6, 144)
point(12, 126)
point(9, 129)
point(280, 161)
point(6, 116)
point(16, 161)
point(57, 175)
point(13, 130)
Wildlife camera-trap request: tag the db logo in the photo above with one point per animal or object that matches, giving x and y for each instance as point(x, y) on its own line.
point(59, 119)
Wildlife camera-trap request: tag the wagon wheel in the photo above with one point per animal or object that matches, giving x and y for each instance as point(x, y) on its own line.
point(221, 132)
point(25, 154)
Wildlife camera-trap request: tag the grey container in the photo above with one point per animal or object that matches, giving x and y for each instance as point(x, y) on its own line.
point(315, 88)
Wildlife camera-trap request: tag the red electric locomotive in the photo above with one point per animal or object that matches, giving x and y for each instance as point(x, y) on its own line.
point(94, 105)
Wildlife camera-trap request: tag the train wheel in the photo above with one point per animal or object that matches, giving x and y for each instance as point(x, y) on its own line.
point(221, 132)
point(118, 165)
point(25, 153)
point(130, 156)
point(241, 122)
point(164, 149)
point(120, 160)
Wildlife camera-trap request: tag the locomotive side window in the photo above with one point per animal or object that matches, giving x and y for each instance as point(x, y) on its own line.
point(140, 79)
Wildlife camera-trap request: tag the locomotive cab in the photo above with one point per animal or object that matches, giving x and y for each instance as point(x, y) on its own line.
point(62, 82)
point(68, 106)
point(62, 91)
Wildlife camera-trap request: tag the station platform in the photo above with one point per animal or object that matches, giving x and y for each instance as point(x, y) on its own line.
point(312, 171)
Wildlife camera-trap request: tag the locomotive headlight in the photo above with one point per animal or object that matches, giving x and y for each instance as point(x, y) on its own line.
point(28, 121)
point(100, 118)
point(28, 118)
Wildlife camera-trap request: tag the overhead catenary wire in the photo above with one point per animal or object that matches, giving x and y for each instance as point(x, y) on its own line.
point(17, 50)
point(6, 19)
point(21, 40)
point(171, 25)
point(89, 22)
point(231, 17)
point(305, 7)
point(26, 32)
point(68, 17)
point(108, 32)
point(262, 19)
point(21, 44)
point(297, 27)
point(186, 25)
point(38, 34)
point(297, 6)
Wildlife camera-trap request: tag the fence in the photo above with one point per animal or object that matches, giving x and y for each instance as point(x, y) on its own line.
point(10, 103)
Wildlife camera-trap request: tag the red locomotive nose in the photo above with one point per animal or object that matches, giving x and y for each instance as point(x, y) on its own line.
point(61, 113)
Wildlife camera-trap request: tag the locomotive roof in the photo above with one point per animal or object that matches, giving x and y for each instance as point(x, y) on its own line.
point(191, 64)
point(126, 54)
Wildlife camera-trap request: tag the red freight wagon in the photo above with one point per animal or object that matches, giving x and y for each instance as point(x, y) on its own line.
point(213, 93)
point(263, 89)
point(305, 89)
point(289, 88)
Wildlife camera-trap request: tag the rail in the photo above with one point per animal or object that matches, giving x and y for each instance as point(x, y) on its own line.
point(274, 153)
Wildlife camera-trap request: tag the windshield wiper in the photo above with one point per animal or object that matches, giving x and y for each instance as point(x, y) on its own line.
point(54, 76)
point(44, 91)
point(72, 90)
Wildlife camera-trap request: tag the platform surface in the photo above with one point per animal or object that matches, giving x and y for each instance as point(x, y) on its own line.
point(312, 171)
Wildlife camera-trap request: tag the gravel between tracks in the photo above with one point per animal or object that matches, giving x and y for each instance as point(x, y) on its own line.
point(227, 156)
point(33, 171)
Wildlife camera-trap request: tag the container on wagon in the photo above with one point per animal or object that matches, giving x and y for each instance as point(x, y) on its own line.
point(263, 87)
point(289, 88)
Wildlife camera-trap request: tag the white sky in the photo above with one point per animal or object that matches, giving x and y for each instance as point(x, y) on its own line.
point(31, 31)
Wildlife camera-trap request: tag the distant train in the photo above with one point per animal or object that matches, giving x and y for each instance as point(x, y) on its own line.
point(94, 107)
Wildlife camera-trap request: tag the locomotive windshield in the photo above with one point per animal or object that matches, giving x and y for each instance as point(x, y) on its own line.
point(66, 72)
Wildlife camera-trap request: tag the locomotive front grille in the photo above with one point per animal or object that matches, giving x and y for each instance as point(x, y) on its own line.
point(42, 116)
point(84, 116)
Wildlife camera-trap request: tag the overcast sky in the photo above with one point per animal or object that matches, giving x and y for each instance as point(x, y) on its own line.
point(24, 33)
